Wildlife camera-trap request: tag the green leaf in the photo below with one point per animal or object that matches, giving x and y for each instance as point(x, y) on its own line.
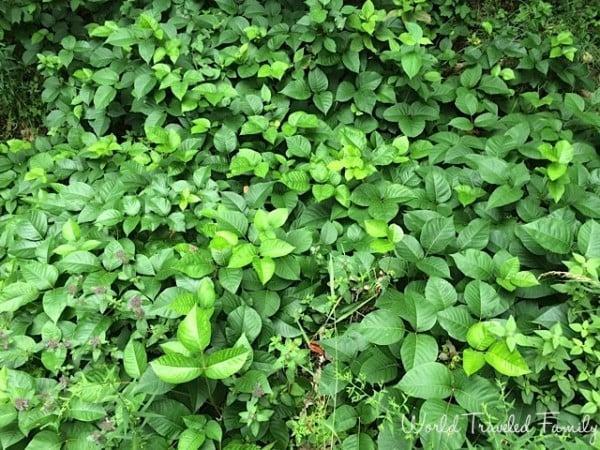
point(225, 139)
point(323, 101)
point(85, 411)
point(301, 119)
point(471, 76)
point(482, 299)
point(104, 96)
point(134, 359)
point(351, 60)
point(143, 85)
point(551, 234)
point(379, 367)
point(190, 439)
point(411, 63)
point(15, 295)
point(466, 102)
point(277, 217)
point(418, 349)
point(472, 361)
point(44, 440)
point(297, 89)
point(504, 195)
point(440, 293)
point(479, 337)
point(71, 231)
point(456, 320)
point(506, 362)
point(382, 328)
point(437, 234)
point(254, 125)
point(224, 363)
point(427, 381)
point(410, 124)
point(298, 146)
point(322, 191)
point(245, 321)
point(41, 276)
point(176, 369)
point(317, 80)
point(242, 255)
point(197, 264)
point(475, 393)
point(462, 123)
point(264, 268)
point(106, 76)
point(194, 331)
point(8, 415)
point(588, 239)
point(420, 313)
point(475, 235)
point(275, 248)
point(79, 262)
point(376, 228)
point(434, 416)
point(122, 37)
point(494, 86)
point(296, 180)
point(475, 264)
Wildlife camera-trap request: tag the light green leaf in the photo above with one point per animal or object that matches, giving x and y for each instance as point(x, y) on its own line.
point(194, 331)
point(506, 362)
point(44, 440)
point(411, 63)
point(224, 363)
point(265, 268)
point(79, 262)
point(275, 248)
point(40, 275)
point(176, 369)
point(134, 359)
point(297, 89)
point(429, 380)
point(376, 228)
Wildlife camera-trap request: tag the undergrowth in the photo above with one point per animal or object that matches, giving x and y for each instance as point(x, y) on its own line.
point(314, 224)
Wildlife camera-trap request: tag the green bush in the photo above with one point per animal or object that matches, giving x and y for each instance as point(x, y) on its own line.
point(316, 224)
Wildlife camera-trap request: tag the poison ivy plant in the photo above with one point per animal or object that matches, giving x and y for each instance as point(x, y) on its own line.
point(317, 224)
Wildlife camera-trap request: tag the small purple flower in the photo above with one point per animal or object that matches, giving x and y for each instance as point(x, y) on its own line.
point(52, 344)
point(135, 302)
point(121, 256)
point(63, 381)
point(107, 425)
point(72, 289)
point(99, 290)
point(21, 404)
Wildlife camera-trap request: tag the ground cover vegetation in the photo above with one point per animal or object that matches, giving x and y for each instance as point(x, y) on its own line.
point(313, 225)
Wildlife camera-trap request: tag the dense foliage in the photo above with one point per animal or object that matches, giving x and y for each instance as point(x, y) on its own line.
point(313, 225)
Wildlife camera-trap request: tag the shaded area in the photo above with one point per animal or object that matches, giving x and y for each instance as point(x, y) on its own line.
point(21, 108)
